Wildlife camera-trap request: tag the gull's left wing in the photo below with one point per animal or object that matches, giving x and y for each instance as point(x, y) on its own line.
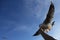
point(50, 14)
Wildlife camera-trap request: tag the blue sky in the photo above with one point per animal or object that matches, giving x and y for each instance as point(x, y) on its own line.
point(20, 19)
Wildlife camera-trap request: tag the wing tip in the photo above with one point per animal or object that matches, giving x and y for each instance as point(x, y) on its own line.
point(52, 4)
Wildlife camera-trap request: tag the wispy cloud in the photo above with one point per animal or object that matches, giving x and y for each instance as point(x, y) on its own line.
point(21, 28)
point(36, 7)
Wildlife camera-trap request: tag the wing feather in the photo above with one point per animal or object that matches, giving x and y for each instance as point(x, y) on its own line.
point(50, 14)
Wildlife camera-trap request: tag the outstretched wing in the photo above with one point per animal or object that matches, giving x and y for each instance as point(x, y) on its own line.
point(37, 33)
point(50, 14)
point(46, 36)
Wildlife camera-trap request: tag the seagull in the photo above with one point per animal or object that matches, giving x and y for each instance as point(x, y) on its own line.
point(47, 23)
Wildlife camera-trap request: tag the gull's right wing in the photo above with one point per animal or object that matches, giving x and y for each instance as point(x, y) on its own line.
point(37, 33)
point(46, 36)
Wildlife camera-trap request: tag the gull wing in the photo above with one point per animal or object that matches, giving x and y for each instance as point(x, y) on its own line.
point(46, 36)
point(37, 33)
point(50, 14)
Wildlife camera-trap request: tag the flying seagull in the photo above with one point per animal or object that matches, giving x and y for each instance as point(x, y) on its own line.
point(47, 23)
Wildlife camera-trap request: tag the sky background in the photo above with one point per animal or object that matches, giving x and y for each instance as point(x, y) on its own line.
point(20, 19)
